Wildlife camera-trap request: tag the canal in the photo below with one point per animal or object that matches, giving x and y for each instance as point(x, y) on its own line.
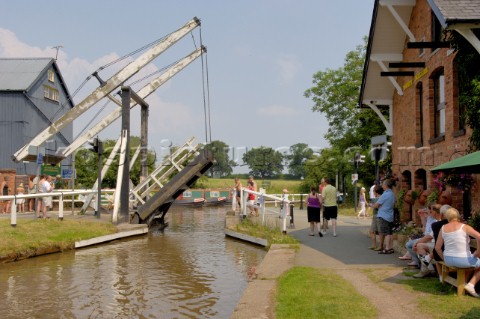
point(189, 270)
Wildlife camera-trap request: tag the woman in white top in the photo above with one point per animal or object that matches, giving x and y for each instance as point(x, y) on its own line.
point(362, 201)
point(455, 236)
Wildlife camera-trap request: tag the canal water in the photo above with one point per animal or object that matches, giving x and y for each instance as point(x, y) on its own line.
point(189, 270)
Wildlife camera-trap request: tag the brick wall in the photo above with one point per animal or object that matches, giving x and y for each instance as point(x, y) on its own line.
point(409, 155)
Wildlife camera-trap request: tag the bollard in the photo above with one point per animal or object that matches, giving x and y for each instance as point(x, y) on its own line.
point(292, 223)
point(301, 201)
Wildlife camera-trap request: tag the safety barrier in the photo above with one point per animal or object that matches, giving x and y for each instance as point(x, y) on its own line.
point(266, 211)
point(63, 196)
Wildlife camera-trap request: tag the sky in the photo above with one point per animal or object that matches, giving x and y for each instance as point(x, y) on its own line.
point(261, 58)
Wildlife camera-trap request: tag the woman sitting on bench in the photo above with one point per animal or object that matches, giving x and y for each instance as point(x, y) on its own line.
point(456, 238)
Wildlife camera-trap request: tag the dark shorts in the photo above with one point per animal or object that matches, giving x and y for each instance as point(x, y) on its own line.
point(313, 214)
point(330, 212)
point(384, 227)
point(374, 226)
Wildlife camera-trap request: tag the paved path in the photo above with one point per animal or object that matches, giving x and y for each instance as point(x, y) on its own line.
point(348, 255)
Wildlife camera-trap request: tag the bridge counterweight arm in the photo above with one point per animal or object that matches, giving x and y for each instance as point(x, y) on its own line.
point(111, 84)
point(143, 93)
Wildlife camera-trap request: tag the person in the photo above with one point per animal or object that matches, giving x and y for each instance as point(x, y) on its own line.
point(371, 197)
point(385, 216)
point(49, 198)
point(377, 191)
point(320, 190)
point(255, 206)
point(330, 208)
point(313, 202)
point(455, 236)
point(5, 191)
point(238, 192)
point(32, 189)
point(411, 246)
point(251, 199)
point(362, 201)
point(40, 179)
point(20, 201)
point(45, 187)
point(436, 230)
point(423, 246)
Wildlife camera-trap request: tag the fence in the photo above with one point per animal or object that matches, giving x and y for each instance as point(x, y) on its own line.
point(266, 213)
point(57, 196)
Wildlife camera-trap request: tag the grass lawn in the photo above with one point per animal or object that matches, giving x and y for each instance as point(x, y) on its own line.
point(305, 292)
point(30, 236)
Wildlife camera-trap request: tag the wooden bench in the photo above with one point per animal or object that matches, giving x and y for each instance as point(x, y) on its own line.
point(462, 276)
point(457, 277)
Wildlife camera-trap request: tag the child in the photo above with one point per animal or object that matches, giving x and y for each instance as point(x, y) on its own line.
point(21, 201)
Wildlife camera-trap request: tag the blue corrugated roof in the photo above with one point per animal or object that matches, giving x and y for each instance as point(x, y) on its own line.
point(17, 74)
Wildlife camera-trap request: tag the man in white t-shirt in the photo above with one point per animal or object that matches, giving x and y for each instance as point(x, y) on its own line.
point(46, 187)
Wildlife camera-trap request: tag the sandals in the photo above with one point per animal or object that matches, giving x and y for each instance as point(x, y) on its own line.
point(386, 251)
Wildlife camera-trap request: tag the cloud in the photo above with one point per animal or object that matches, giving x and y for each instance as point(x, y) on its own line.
point(164, 116)
point(276, 110)
point(11, 47)
point(289, 67)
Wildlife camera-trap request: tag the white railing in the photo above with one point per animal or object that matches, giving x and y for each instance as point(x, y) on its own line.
point(62, 195)
point(266, 211)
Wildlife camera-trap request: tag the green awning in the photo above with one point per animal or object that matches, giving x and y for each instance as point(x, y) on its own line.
point(468, 164)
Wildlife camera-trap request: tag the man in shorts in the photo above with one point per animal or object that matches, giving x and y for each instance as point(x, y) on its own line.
point(330, 208)
point(385, 217)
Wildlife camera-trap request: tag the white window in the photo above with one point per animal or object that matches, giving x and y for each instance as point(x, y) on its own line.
point(51, 76)
point(439, 98)
point(50, 93)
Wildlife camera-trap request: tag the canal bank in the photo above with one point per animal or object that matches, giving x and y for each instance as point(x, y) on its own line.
point(123, 230)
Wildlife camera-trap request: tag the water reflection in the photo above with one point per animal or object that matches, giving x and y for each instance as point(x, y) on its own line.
point(190, 270)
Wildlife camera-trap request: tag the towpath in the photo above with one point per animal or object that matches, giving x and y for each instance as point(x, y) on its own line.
point(373, 275)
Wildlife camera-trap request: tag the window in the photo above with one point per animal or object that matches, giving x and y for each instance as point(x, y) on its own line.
point(419, 115)
point(50, 93)
point(51, 76)
point(439, 104)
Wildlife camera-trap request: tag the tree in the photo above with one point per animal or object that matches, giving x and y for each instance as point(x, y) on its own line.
point(264, 161)
point(299, 153)
point(223, 165)
point(335, 93)
point(86, 165)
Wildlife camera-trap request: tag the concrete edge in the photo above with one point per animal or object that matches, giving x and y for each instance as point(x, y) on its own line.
point(107, 238)
point(244, 237)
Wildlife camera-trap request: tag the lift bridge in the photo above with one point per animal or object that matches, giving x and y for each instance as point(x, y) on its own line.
point(152, 198)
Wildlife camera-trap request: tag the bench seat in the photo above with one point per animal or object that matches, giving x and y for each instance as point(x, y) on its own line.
point(463, 275)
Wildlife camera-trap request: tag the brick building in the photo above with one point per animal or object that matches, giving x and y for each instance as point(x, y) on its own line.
point(411, 81)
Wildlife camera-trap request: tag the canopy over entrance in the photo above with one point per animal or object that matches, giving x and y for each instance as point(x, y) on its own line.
point(468, 164)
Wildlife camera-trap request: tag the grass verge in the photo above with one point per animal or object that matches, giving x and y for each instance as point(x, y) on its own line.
point(272, 234)
point(30, 236)
point(441, 301)
point(319, 295)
